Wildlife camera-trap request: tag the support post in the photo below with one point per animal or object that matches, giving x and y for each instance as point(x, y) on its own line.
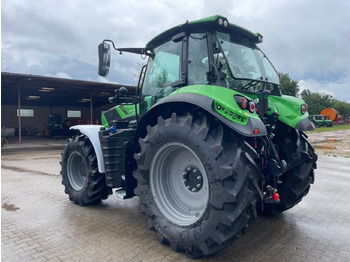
point(91, 108)
point(19, 114)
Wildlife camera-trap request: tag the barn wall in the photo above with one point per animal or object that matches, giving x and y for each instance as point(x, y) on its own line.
point(9, 117)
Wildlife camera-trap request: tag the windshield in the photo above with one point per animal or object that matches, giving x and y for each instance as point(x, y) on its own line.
point(246, 61)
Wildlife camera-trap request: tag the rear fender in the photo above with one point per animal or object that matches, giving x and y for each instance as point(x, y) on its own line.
point(208, 104)
point(91, 131)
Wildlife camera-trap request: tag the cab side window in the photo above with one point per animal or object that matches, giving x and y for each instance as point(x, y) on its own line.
point(197, 60)
point(163, 68)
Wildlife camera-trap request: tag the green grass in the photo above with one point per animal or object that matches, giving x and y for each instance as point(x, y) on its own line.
point(329, 129)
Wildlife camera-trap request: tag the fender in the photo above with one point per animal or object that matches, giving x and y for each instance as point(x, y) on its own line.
point(305, 125)
point(207, 104)
point(91, 131)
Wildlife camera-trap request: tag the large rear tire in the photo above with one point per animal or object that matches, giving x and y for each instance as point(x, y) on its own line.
point(80, 177)
point(296, 182)
point(193, 183)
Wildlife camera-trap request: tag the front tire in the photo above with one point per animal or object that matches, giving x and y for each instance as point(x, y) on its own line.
point(80, 177)
point(193, 183)
point(296, 182)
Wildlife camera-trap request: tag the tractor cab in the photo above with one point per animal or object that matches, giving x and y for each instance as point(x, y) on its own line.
point(214, 53)
point(210, 51)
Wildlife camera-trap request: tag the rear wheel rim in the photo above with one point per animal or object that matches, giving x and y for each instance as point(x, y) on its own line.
point(77, 171)
point(179, 184)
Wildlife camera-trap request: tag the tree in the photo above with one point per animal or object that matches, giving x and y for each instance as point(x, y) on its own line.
point(316, 102)
point(343, 108)
point(287, 85)
point(313, 100)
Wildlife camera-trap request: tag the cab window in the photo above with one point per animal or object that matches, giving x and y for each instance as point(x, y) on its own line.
point(197, 60)
point(163, 69)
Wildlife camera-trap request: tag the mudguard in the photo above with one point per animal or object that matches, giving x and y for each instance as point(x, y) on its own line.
point(91, 131)
point(206, 103)
point(305, 125)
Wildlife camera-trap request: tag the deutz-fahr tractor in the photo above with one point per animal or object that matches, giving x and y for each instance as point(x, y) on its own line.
point(206, 141)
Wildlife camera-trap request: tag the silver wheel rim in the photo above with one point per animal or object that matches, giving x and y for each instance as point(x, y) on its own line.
point(77, 170)
point(179, 184)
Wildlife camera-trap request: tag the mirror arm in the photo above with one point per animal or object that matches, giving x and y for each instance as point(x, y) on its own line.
point(141, 51)
point(107, 40)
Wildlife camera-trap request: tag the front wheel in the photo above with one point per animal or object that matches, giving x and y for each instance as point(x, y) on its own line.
point(80, 177)
point(296, 182)
point(193, 183)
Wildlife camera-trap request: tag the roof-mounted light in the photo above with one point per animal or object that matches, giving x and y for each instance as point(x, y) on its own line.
point(260, 38)
point(33, 97)
point(221, 21)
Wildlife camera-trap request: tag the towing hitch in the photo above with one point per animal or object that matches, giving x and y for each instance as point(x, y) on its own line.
point(271, 196)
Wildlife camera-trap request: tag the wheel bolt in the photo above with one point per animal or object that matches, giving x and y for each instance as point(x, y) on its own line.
point(199, 178)
point(184, 173)
point(189, 169)
point(188, 187)
point(194, 190)
point(184, 180)
point(198, 185)
point(195, 170)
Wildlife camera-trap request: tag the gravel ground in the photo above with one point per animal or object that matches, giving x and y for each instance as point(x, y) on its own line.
point(336, 144)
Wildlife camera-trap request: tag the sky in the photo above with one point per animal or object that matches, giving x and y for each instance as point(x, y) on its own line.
point(308, 39)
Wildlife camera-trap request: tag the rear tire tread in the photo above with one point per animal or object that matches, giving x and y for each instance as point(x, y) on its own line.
point(231, 208)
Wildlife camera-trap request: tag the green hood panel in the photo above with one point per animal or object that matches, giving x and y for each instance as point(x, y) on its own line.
point(119, 112)
point(289, 109)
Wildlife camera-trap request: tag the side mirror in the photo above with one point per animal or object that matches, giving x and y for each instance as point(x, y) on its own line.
point(104, 56)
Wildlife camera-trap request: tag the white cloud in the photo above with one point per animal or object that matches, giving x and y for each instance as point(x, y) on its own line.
point(310, 40)
point(63, 75)
point(339, 89)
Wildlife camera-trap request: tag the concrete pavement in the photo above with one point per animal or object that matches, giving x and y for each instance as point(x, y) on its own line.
point(39, 223)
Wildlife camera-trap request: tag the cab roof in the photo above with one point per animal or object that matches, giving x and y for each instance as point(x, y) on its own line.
point(216, 22)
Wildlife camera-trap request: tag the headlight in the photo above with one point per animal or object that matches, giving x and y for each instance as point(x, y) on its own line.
point(303, 108)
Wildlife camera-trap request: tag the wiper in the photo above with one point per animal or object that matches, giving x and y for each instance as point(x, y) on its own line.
point(253, 82)
point(249, 84)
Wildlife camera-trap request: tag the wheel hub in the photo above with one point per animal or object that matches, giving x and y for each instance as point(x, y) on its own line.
point(174, 181)
point(193, 179)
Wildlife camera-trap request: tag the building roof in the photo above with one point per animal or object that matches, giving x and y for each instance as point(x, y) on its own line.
point(52, 91)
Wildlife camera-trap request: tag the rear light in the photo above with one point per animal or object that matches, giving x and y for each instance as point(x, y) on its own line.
point(303, 108)
point(251, 107)
point(244, 103)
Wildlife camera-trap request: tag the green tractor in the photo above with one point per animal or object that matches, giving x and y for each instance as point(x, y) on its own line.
point(320, 121)
point(207, 142)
